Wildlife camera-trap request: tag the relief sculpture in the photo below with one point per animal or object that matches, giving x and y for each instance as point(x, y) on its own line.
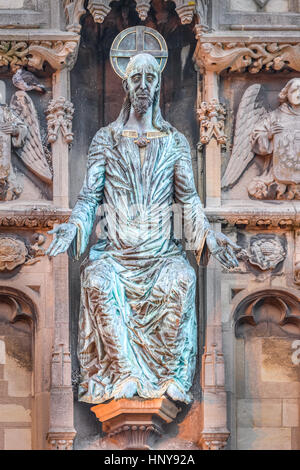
point(275, 136)
point(19, 127)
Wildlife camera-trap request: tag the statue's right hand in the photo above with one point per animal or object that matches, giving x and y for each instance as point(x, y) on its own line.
point(65, 234)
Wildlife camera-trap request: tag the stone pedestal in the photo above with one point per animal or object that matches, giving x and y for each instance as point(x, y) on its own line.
point(135, 424)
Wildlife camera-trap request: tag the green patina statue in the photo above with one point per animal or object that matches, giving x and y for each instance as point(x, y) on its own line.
point(138, 331)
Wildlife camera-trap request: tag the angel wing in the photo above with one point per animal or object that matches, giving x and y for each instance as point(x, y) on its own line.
point(32, 152)
point(249, 113)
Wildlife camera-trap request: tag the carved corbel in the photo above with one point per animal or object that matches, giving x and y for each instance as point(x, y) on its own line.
point(99, 9)
point(135, 424)
point(142, 7)
point(59, 117)
point(212, 116)
point(185, 10)
point(74, 9)
point(251, 56)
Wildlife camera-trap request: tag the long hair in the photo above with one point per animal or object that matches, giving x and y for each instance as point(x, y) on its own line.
point(157, 120)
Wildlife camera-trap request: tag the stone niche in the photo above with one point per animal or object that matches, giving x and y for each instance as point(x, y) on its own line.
point(16, 374)
point(267, 373)
point(97, 96)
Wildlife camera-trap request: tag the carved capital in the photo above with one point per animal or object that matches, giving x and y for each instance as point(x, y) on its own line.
point(214, 440)
point(59, 52)
point(212, 116)
point(61, 440)
point(59, 117)
point(252, 56)
point(135, 423)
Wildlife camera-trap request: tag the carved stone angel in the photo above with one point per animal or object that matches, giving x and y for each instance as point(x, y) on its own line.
point(19, 126)
point(273, 135)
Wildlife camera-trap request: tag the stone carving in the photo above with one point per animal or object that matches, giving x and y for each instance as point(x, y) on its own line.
point(14, 252)
point(266, 252)
point(137, 299)
point(74, 9)
point(99, 9)
point(61, 440)
point(32, 152)
point(185, 10)
point(13, 131)
point(214, 440)
point(268, 314)
point(212, 116)
point(254, 57)
point(143, 7)
point(201, 15)
point(58, 53)
point(59, 117)
point(42, 219)
point(276, 137)
point(261, 3)
point(135, 424)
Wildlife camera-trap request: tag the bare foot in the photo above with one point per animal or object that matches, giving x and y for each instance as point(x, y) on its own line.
point(127, 390)
point(176, 394)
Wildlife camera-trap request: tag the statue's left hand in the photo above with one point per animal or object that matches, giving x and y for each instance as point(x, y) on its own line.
point(222, 248)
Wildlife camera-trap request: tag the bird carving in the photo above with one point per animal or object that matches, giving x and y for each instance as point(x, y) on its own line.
point(26, 81)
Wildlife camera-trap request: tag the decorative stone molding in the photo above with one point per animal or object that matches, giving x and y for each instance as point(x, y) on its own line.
point(212, 116)
point(214, 439)
point(59, 51)
point(143, 7)
point(136, 423)
point(61, 440)
point(99, 9)
point(256, 217)
point(59, 117)
point(236, 55)
point(39, 218)
point(74, 9)
point(267, 314)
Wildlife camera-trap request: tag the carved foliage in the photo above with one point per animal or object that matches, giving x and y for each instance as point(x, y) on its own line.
point(212, 116)
point(15, 252)
point(238, 57)
point(59, 116)
point(58, 53)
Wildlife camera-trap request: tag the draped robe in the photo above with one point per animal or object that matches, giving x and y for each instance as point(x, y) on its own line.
point(137, 317)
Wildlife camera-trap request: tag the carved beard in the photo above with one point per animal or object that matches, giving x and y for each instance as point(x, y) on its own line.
point(141, 103)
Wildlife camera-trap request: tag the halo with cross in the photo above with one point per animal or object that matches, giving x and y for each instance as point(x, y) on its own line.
point(137, 40)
